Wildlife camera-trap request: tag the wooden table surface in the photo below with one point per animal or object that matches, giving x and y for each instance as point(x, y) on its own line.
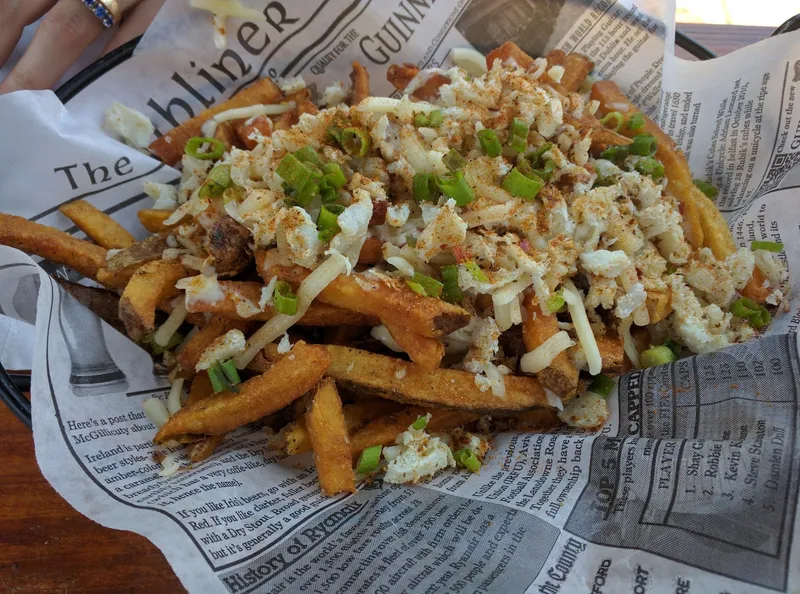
point(46, 546)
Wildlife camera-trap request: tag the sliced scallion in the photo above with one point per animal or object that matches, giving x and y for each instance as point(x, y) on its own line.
point(435, 118)
point(230, 371)
point(420, 423)
point(467, 458)
point(602, 384)
point(356, 141)
point(518, 138)
point(613, 120)
point(658, 355)
point(453, 160)
point(489, 142)
point(431, 286)
point(522, 186)
point(416, 287)
point(770, 246)
point(369, 459)
point(333, 173)
point(556, 302)
point(650, 166)
point(476, 272)
point(307, 153)
point(214, 152)
point(644, 144)
point(421, 120)
point(424, 188)
point(706, 188)
point(284, 299)
point(455, 186)
point(636, 121)
point(451, 291)
point(744, 308)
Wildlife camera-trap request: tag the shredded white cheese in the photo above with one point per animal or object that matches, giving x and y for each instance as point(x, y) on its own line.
point(543, 355)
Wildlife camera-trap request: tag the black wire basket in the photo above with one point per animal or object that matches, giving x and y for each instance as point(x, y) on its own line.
point(12, 385)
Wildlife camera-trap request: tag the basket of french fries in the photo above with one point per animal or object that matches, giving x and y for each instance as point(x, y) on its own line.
point(387, 281)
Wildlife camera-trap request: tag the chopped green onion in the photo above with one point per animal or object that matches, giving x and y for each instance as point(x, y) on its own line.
point(489, 142)
point(658, 355)
point(230, 371)
point(760, 319)
point(455, 186)
point(356, 142)
point(327, 192)
point(518, 138)
point(327, 221)
point(453, 160)
point(614, 118)
point(333, 173)
point(302, 178)
point(770, 246)
point(284, 299)
point(604, 180)
point(420, 423)
point(218, 180)
point(431, 286)
point(673, 346)
point(369, 459)
point(706, 188)
point(547, 171)
point(537, 155)
point(157, 349)
point(478, 274)
point(421, 120)
point(650, 166)
point(218, 381)
point(602, 385)
point(333, 133)
point(451, 291)
point(636, 121)
point(467, 458)
point(643, 144)
point(307, 153)
point(435, 118)
point(232, 194)
point(416, 287)
point(745, 308)
point(520, 185)
point(412, 241)
point(556, 302)
point(616, 154)
point(424, 188)
point(194, 145)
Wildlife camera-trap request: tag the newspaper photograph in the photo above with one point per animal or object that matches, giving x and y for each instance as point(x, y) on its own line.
point(690, 486)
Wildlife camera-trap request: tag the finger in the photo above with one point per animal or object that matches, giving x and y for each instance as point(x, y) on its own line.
point(135, 23)
point(17, 14)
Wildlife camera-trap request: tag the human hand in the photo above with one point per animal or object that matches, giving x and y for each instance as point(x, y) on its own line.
point(67, 29)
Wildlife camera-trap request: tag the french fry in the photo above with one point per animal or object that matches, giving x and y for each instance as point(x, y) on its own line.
point(537, 420)
point(716, 233)
point(359, 78)
point(306, 106)
point(228, 244)
point(226, 133)
point(371, 252)
point(576, 68)
point(659, 304)
point(284, 382)
point(375, 296)
point(151, 284)
point(318, 314)
point(676, 169)
point(201, 388)
point(202, 449)
point(52, 244)
point(555, 57)
point(153, 219)
point(394, 379)
point(97, 225)
point(400, 75)
point(169, 147)
point(510, 51)
point(384, 430)
point(137, 254)
point(190, 351)
point(425, 352)
point(329, 438)
point(560, 376)
point(611, 353)
point(243, 130)
point(114, 279)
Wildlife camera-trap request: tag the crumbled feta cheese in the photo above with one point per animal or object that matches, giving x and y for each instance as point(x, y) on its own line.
point(397, 216)
point(446, 230)
point(701, 329)
point(334, 94)
point(292, 84)
point(266, 293)
point(221, 349)
point(285, 345)
point(165, 195)
point(131, 126)
point(297, 237)
point(201, 289)
point(605, 263)
point(420, 455)
point(631, 301)
point(587, 411)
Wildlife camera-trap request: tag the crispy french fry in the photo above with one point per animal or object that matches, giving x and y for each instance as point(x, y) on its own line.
point(295, 435)
point(425, 352)
point(555, 57)
point(384, 430)
point(306, 106)
point(228, 244)
point(318, 314)
point(560, 376)
point(97, 225)
point(243, 130)
point(400, 75)
point(371, 252)
point(576, 68)
point(169, 147)
point(359, 78)
point(328, 434)
point(114, 279)
point(190, 351)
point(52, 244)
point(284, 382)
point(153, 219)
point(375, 296)
point(151, 284)
point(394, 379)
point(510, 51)
point(537, 420)
point(137, 254)
point(676, 169)
point(611, 353)
point(201, 388)
point(227, 134)
point(202, 449)
point(659, 304)
point(716, 233)
point(755, 289)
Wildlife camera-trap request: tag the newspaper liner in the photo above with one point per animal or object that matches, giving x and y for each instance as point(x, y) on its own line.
point(691, 486)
